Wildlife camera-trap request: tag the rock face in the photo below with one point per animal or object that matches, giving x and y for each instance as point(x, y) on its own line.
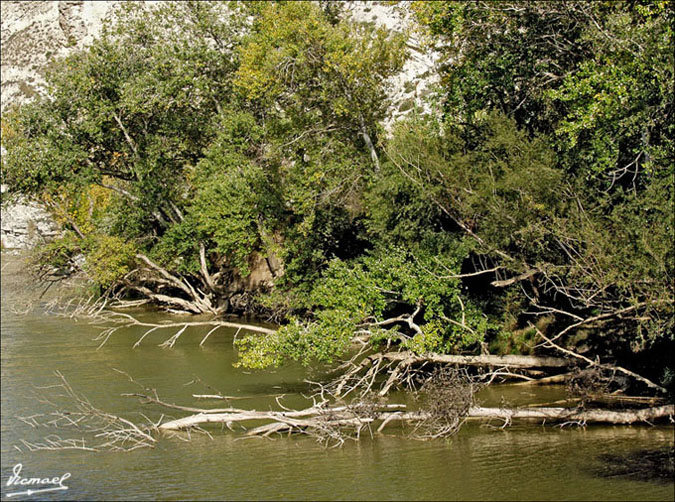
point(26, 224)
point(419, 74)
point(32, 34)
point(35, 32)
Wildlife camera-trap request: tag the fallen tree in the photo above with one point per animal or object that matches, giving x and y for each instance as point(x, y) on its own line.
point(314, 417)
point(486, 360)
point(447, 384)
point(446, 401)
point(361, 374)
point(102, 314)
point(366, 369)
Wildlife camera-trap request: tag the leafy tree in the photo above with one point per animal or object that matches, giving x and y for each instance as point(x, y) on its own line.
point(597, 75)
point(318, 85)
point(202, 169)
point(592, 83)
point(616, 122)
point(322, 76)
point(504, 55)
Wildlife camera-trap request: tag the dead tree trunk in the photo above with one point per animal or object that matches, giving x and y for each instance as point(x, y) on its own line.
point(599, 415)
point(340, 416)
point(509, 361)
point(400, 367)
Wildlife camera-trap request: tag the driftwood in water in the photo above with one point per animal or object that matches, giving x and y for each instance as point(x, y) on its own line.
point(450, 402)
point(300, 418)
point(283, 421)
point(507, 361)
point(446, 400)
point(597, 415)
point(401, 368)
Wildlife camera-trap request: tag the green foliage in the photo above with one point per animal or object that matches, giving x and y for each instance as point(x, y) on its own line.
point(375, 288)
point(181, 114)
point(39, 157)
point(505, 189)
point(592, 83)
point(135, 106)
point(498, 181)
point(503, 55)
point(246, 129)
point(398, 211)
point(618, 101)
point(57, 253)
point(318, 85)
point(320, 341)
point(333, 233)
point(108, 259)
point(429, 340)
point(296, 56)
point(178, 248)
point(226, 210)
point(599, 76)
point(518, 341)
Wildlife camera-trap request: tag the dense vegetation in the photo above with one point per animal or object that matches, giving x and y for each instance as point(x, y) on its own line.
point(197, 147)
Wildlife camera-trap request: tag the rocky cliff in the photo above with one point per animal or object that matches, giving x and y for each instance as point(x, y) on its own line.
point(33, 33)
point(25, 224)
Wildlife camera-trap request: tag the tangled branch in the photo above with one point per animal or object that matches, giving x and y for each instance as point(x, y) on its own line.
point(104, 431)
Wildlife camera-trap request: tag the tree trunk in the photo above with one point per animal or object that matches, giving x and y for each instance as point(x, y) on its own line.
point(369, 144)
point(314, 417)
point(573, 415)
point(511, 361)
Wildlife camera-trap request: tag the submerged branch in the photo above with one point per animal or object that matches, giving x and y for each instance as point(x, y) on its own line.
point(97, 313)
point(299, 421)
point(447, 402)
point(103, 430)
point(123, 320)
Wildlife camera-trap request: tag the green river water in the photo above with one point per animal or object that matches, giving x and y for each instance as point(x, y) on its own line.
point(522, 462)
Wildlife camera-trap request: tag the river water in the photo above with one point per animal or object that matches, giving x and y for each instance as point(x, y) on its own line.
point(522, 462)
